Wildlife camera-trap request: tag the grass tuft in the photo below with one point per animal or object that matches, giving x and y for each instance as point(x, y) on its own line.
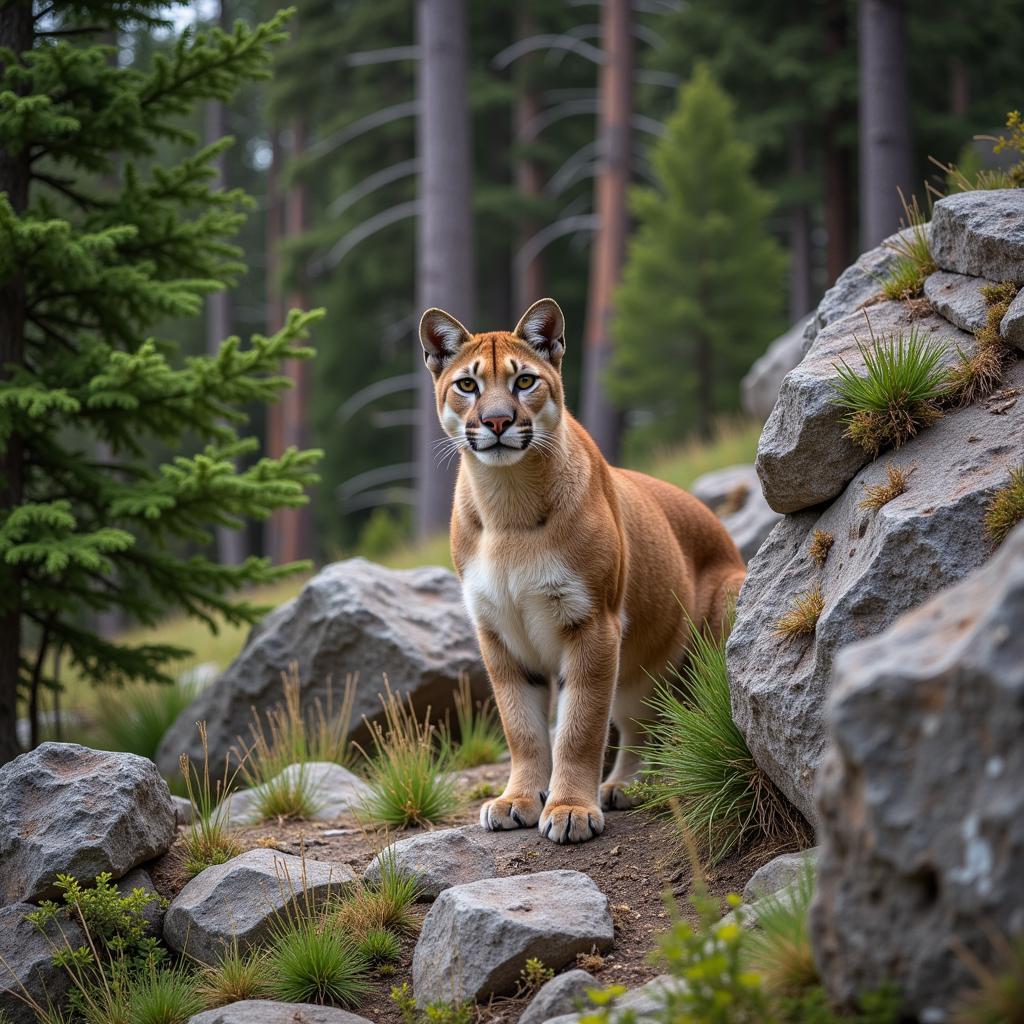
point(802, 616)
point(138, 716)
point(313, 960)
point(236, 977)
point(998, 993)
point(878, 495)
point(978, 375)
point(897, 394)
point(779, 948)
point(209, 839)
point(698, 763)
point(163, 997)
point(481, 739)
point(821, 545)
point(408, 768)
point(914, 258)
point(381, 948)
point(1006, 508)
point(385, 904)
point(289, 736)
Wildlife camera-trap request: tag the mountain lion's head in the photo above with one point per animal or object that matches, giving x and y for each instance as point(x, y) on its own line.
point(498, 394)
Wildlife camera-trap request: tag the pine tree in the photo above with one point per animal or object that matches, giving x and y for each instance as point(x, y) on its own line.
point(98, 245)
point(702, 289)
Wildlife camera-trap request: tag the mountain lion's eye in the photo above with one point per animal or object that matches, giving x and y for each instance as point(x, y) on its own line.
point(466, 385)
point(525, 380)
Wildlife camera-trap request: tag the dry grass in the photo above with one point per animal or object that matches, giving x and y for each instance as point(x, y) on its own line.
point(978, 375)
point(802, 616)
point(821, 545)
point(914, 259)
point(878, 495)
point(1006, 509)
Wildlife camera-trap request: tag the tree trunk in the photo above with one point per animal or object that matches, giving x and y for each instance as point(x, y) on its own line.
point(15, 34)
point(886, 164)
point(837, 161)
point(274, 441)
point(530, 283)
point(610, 203)
point(800, 286)
point(444, 244)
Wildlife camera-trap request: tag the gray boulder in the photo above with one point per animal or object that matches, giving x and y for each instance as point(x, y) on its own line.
point(437, 860)
point(240, 900)
point(881, 565)
point(26, 962)
point(778, 873)
point(264, 1011)
point(335, 792)
point(856, 285)
point(477, 937)
point(559, 996)
point(734, 494)
point(958, 298)
point(646, 1002)
point(981, 233)
point(760, 386)
point(352, 617)
point(803, 459)
point(67, 809)
point(922, 795)
point(1011, 327)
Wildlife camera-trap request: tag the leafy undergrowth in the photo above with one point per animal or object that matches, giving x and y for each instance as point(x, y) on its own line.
point(699, 766)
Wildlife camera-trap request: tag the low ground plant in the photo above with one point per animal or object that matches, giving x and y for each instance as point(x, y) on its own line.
point(877, 496)
point(235, 977)
point(997, 995)
point(481, 738)
point(896, 395)
point(381, 948)
point(820, 546)
point(209, 840)
point(698, 763)
point(914, 260)
point(532, 977)
point(385, 904)
point(138, 716)
point(312, 959)
point(408, 768)
point(801, 618)
point(976, 375)
point(1006, 507)
point(289, 736)
point(438, 1012)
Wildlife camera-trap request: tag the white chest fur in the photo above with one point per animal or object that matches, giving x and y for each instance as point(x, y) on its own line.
point(527, 602)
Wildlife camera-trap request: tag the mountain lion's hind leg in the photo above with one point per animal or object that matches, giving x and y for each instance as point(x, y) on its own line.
point(629, 711)
point(522, 702)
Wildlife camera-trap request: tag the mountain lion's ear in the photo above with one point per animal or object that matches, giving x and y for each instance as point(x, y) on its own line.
point(542, 326)
point(441, 336)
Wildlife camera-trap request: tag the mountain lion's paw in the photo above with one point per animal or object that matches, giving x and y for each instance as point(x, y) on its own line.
point(571, 823)
point(507, 812)
point(614, 797)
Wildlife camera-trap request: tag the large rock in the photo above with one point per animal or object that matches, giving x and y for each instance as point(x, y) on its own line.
point(881, 564)
point(922, 794)
point(437, 860)
point(561, 995)
point(735, 495)
point(760, 386)
point(857, 284)
point(1011, 327)
point(477, 937)
point(239, 901)
point(66, 809)
point(958, 298)
point(26, 962)
point(981, 233)
point(352, 617)
point(264, 1011)
point(334, 790)
point(803, 459)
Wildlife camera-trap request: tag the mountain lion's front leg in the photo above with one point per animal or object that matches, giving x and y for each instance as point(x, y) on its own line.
point(572, 813)
point(522, 701)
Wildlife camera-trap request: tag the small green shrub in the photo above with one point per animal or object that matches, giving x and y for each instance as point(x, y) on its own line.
point(1006, 508)
point(897, 394)
point(481, 739)
point(436, 1013)
point(408, 769)
point(698, 762)
point(532, 977)
point(288, 736)
point(209, 839)
point(779, 948)
point(236, 977)
point(312, 960)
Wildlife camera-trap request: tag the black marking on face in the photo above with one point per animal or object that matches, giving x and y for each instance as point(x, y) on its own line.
point(535, 678)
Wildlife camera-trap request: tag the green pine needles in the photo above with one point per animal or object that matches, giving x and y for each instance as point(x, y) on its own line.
point(99, 245)
point(897, 393)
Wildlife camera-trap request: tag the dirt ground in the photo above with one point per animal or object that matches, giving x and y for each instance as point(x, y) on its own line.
point(637, 862)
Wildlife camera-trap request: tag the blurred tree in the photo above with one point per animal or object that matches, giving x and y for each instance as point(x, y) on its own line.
point(97, 245)
point(701, 294)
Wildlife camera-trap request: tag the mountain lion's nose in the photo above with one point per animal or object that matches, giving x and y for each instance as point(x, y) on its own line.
point(498, 422)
